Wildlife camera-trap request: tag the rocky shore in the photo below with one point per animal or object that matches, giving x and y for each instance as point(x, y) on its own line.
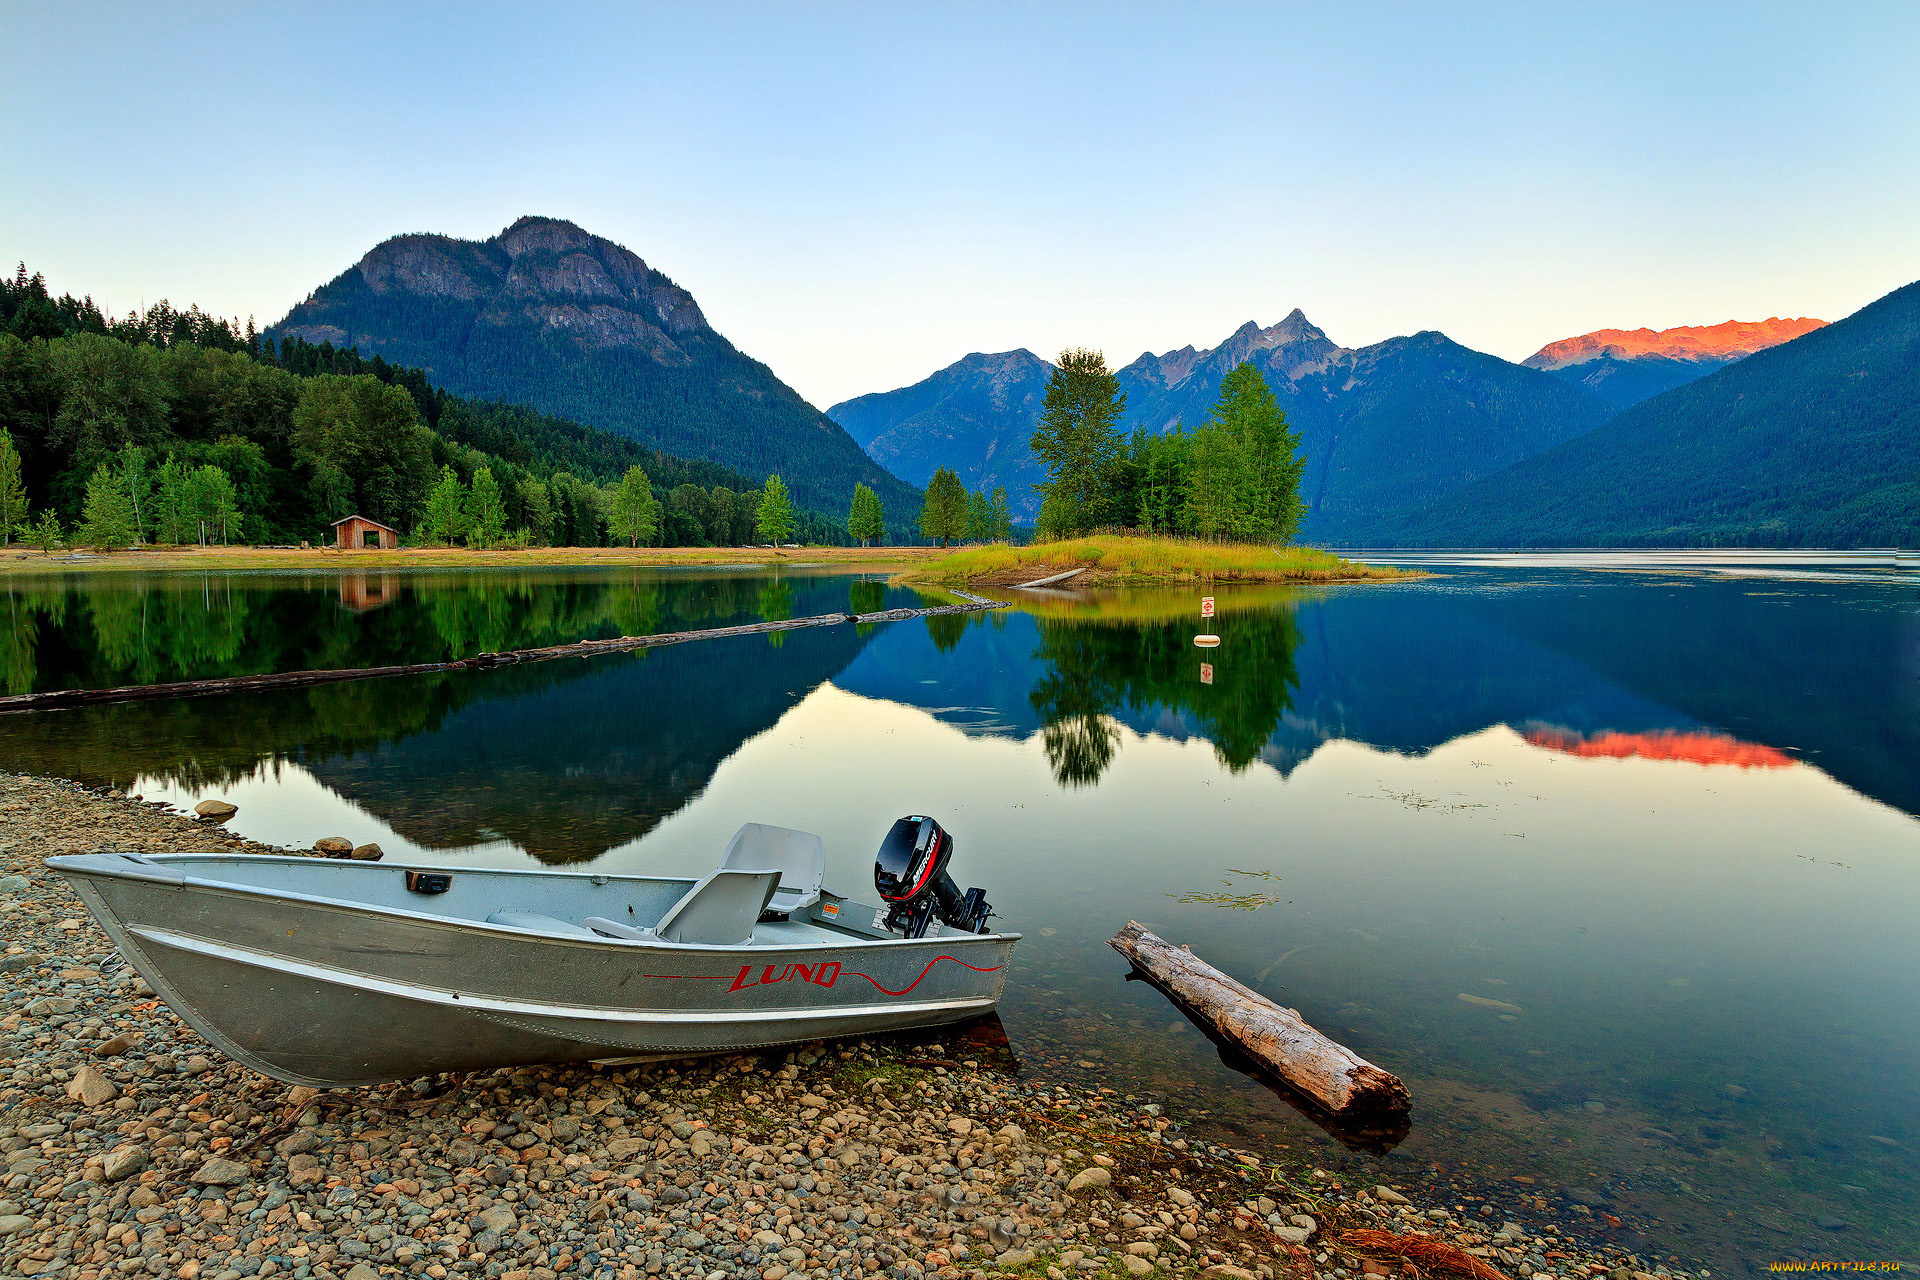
point(132, 1148)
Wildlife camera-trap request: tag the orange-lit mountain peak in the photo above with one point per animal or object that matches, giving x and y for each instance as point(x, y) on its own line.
point(1720, 342)
point(1694, 746)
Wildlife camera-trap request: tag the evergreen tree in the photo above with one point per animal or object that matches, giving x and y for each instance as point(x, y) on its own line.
point(866, 521)
point(979, 518)
point(943, 517)
point(633, 516)
point(486, 513)
point(106, 521)
point(13, 494)
point(445, 517)
point(775, 520)
point(1002, 512)
point(1078, 439)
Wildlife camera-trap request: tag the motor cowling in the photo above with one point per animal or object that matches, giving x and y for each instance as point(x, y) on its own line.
point(910, 874)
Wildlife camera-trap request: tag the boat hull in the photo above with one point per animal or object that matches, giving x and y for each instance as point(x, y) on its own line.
point(325, 993)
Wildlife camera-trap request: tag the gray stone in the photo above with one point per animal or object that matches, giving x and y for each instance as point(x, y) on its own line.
point(221, 1172)
point(1095, 1177)
point(13, 1224)
point(498, 1219)
point(14, 884)
point(124, 1163)
point(90, 1088)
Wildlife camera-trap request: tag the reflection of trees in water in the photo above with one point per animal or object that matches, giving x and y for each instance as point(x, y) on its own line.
point(775, 604)
point(116, 629)
point(945, 629)
point(126, 630)
point(1080, 747)
point(1099, 668)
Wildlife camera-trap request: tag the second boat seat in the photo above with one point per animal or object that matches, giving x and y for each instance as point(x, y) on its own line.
point(539, 923)
point(798, 856)
point(719, 911)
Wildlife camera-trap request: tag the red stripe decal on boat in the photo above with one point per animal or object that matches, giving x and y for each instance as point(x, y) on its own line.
point(855, 973)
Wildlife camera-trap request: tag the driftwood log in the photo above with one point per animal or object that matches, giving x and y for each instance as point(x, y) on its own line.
point(56, 699)
point(1332, 1075)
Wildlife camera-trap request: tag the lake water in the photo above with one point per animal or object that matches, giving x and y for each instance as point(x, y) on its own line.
point(1656, 816)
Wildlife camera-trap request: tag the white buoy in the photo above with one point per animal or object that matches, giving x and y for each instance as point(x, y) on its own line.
point(1206, 642)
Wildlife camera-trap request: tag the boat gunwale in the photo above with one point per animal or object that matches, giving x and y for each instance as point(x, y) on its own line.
point(141, 871)
point(482, 1003)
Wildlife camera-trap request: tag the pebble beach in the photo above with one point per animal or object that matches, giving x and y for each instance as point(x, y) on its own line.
point(132, 1147)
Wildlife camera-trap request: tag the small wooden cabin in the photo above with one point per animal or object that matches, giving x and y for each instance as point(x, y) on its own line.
point(358, 531)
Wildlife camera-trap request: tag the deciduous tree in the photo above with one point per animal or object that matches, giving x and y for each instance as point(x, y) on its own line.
point(106, 521)
point(445, 516)
point(866, 521)
point(633, 514)
point(943, 516)
point(486, 512)
point(1002, 512)
point(13, 493)
point(775, 520)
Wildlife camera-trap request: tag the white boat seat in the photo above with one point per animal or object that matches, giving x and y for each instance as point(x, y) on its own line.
point(539, 923)
point(798, 856)
point(719, 911)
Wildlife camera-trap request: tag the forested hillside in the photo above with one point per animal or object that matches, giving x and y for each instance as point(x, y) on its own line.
point(284, 439)
point(547, 315)
point(1815, 442)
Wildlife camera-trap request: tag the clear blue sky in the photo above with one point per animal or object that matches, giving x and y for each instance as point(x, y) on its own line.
point(858, 194)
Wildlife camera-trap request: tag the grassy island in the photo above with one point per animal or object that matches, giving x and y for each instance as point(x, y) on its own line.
point(1129, 561)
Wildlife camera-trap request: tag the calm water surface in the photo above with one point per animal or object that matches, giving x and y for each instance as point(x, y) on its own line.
point(1657, 817)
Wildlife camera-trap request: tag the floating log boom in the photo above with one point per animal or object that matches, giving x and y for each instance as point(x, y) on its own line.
point(56, 699)
point(1332, 1075)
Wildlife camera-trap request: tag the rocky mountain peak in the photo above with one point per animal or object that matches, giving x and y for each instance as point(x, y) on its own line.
point(1720, 343)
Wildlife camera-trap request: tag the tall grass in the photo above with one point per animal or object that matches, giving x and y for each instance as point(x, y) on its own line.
point(1128, 559)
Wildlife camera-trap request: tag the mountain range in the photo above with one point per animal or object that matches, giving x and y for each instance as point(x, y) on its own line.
point(547, 315)
point(1785, 430)
point(1417, 438)
point(1815, 442)
point(1398, 423)
point(1625, 366)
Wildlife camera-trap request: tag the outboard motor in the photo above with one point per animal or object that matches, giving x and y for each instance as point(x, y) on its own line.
point(910, 873)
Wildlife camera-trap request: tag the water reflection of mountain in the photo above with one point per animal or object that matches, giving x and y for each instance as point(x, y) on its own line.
point(1698, 670)
point(570, 771)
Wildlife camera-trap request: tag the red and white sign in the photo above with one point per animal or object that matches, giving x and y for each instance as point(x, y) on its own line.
point(1206, 673)
point(1206, 606)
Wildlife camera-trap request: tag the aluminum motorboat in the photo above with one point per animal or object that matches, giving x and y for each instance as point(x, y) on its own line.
point(328, 973)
